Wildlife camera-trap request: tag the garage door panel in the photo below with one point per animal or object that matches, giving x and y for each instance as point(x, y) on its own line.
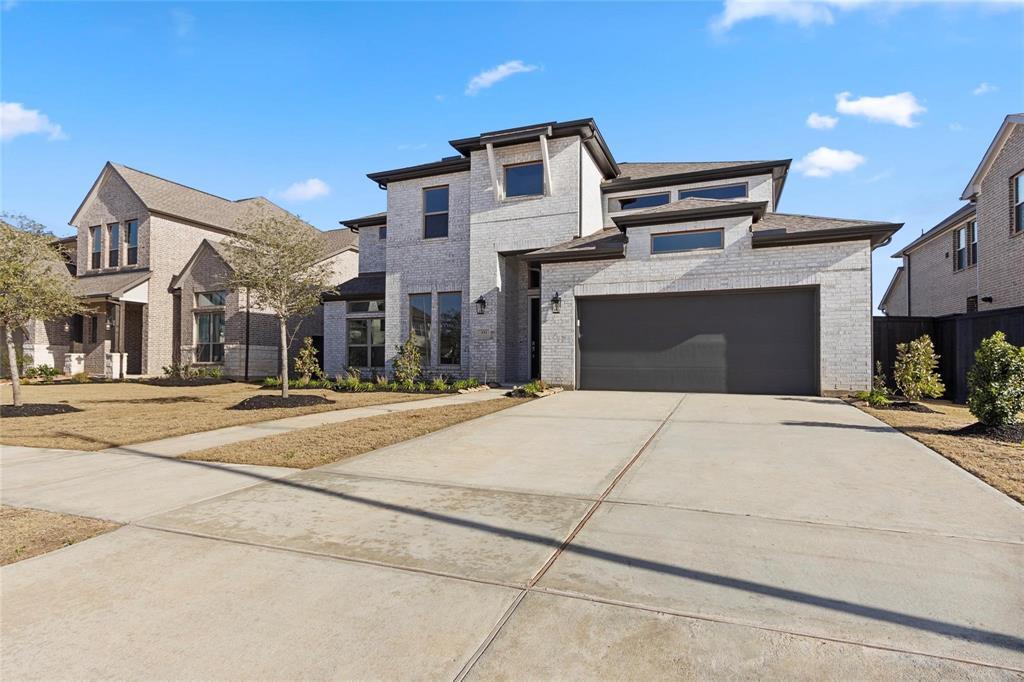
point(731, 342)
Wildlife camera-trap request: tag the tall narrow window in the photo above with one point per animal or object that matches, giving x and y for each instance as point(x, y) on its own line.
point(96, 236)
point(113, 244)
point(366, 343)
point(973, 230)
point(419, 324)
point(965, 246)
point(210, 336)
point(382, 232)
point(94, 328)
point(131, 236)
point(1018, 203)
point(449, 311)
point(435, 212)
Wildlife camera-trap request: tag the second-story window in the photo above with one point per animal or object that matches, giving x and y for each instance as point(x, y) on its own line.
point(96, 237)
point(435, 212)
point(1018, 204)
point(965, 246)
point(131, 229)
point(738, 191)
point(524, 179)
point(382, 232)
point(113, 245)
point(643, 201)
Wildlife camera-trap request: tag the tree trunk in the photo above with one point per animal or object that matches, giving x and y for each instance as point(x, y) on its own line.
point(284, 357)
point(12, 358)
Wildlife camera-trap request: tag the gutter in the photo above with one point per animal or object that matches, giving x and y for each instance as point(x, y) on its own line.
point(751, 208)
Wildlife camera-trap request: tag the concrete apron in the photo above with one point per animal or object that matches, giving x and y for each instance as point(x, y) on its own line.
point(492, 549)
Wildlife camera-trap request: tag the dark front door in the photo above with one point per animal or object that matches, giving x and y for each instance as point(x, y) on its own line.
point(722, 342)
point(535, 338)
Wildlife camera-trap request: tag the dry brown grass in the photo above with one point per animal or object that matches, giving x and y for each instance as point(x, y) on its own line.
point(333, 442)
point(120, 414)
point(999, 464)
point(26, 533)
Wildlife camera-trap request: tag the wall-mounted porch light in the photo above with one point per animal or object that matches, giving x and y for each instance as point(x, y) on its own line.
point(481, 305)
point(556, 303)
point(67, 327)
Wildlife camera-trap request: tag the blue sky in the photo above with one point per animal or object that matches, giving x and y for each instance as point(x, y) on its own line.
point(241, 99)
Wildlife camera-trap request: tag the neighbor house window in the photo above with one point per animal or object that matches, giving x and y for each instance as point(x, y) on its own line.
point(972, 304)
point(435, 212)
point(717, 192)
point(210, 336)
point(1018, 203)
point(372, 306)
point(645, 201)
point(693, 240)
point(97, 247)
point(382, 232)
point(113, 244)
point(965, 246)
point(366, 343)
point(524, 179)
point(211, 298)
point(449, 312)
point(419, 324)
point(131, 235)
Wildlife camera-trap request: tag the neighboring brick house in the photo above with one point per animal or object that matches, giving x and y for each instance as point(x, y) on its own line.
point(534, 254)
point(151, 274)
point(973, 260)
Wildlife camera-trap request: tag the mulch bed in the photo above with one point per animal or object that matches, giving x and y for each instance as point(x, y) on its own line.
point(265, 402)
point(203, 381)
point(908, 407)
point(1010, 433)
point(36, 410)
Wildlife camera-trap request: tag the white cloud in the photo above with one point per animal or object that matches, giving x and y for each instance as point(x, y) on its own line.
point(803, 13)
point(9, 4)
point(820, 122)
point(983, 89)
point(824, 162)
point(439, 98)
point(16, 120)
point(183, 23)
point(313, 188)
point(898, 109)
point(955, 127)
point(486, 79)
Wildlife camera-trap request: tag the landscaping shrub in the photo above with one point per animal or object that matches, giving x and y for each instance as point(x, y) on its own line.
point(271, 382)
point(408, 362)
point(81, 378)
point(463, 384)
point(914, 370)
point(43, 372)
point(879, 395)
point(996, 381)
point(306, 364)
point(440, 384)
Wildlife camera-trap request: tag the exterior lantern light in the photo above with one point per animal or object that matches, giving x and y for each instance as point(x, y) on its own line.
point(556, 303)
point(481, 305)
point(67, 327)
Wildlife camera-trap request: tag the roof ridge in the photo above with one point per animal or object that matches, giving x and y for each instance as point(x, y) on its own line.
point(174, 182)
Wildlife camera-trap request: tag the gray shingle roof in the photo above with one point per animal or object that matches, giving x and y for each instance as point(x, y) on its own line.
point(953, 219)
point(113, 285)
point(366, 285)
point(793, 222)
point(606, 243)
point(690, 203)
point(637, 171)
point(338, 240)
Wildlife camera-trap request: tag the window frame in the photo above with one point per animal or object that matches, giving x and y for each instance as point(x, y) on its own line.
point(617, 201)
point(426, 347)
point(204, 306)
point(113, 243)
point(382, 232)
point(446, 213)
point(504, 176)
point(367, 323)
point(350, 306)
point(131, 247)
point(442, 332)
point(96, 242)
point(673, 252)
point(969, 230)
point(1017, 204)
point(744, 185)
point(212, 313)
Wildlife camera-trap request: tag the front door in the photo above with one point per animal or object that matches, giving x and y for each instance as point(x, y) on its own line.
point(535, 337)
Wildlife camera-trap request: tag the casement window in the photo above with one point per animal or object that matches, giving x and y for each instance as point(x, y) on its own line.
point(965, 246)
point(131, 236)
point(96, 236)
point(382, 232)
point(435, 212)
point(524, 179)
point(113, 244)
point(737, 191)
point(210, 326)
point(419, 324)
point(366, 343)
point(375, 305)
point(643, 201)
point(1018, 203)
point(691, 240)
point(449, 311)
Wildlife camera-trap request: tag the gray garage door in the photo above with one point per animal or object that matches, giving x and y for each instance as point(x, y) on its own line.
point(738, 342)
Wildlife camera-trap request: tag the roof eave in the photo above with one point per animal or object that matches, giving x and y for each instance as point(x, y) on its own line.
point(616, 254)
point(755, 209)
point(370, 221)
point(741, 171)
point(970, 192)
point(425, 170)
point(878, 234)
point(954, 219)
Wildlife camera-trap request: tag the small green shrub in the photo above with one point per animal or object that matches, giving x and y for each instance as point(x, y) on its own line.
point(535, 387)
point(440, 384)
point(80, 378)
point(996, 381)
point(879, 395)
point(408, 362)
point(306, 364)
point(914, 370)
point(271, 382)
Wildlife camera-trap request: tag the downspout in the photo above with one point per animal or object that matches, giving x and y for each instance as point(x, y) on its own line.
point(247, 334)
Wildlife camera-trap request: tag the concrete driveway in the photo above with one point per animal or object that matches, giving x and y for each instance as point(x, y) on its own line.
point(586, 535)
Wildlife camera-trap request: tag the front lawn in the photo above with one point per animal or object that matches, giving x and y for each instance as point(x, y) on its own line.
point(25, 533)
point(1000, 464)
point(321, 445)
point(113, 414)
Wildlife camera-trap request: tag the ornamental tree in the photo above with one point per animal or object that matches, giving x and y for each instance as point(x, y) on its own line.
point(914, 369)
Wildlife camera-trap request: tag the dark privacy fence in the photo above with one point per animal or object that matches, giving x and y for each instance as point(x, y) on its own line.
point(956, 337)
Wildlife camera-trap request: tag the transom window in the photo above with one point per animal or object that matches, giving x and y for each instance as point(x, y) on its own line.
point(435, 212)
point(738, 191)
point(691, 240)
point(419, 323)
point(113, 244)
point(366, 343)
point(372, 306)
point(965, 246)
point(97, 247)
point(131, 235)
point(210, 336)
point(211, 298)
point(524, 179)
point(1018, 203)
point(644, 201)
point(449, 311)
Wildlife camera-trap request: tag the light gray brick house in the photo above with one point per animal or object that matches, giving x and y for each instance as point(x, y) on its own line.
point(150, 270)
point(972, 260)
point(532, 253)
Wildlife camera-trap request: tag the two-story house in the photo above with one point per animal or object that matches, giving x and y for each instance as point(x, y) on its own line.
point(532, 253)
point(152, 276)
point(973, 260)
